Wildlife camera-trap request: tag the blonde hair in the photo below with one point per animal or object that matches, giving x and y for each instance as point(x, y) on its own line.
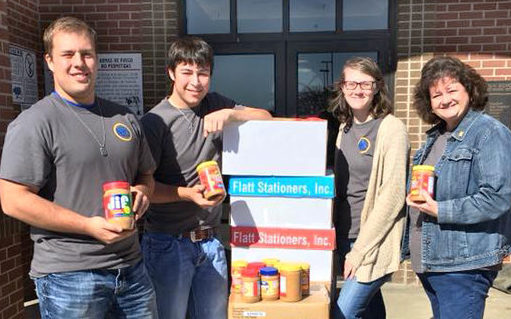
point(66, 24)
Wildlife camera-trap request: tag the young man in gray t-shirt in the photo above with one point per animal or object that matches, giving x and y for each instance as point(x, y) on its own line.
point(184, 259)
point(55, 159)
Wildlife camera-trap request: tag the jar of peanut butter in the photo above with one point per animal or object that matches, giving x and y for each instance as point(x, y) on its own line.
point(236, 269)
point(256, 265)
point(305, 278)
point(117, 204)
point(270, 262)
point(251, 285)
point(290, 282)
point(211, 178)
point(423, 178)
point(269, 283)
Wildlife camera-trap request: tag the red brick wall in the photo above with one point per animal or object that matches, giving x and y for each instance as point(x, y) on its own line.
point(11, 276)
point(22, 25)
point(18, 25)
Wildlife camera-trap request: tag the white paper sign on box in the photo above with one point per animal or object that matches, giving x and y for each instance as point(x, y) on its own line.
point(320, 260)
point(309, 213)
point(286, 148)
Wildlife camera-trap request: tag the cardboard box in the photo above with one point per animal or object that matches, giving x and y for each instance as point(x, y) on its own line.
point(314, 306)
point(287, 148)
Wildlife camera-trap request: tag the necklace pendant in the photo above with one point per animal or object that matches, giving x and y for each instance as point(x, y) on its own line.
point(102, 151)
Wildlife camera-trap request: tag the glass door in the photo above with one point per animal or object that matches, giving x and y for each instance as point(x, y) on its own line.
point(313, 69)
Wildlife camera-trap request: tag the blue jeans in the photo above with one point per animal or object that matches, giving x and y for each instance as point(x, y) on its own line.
point(101, 293)
point(357, 299)
point(188, 277)
point(458, 294)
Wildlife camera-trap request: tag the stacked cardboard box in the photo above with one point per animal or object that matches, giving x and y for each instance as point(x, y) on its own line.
point(281, 206)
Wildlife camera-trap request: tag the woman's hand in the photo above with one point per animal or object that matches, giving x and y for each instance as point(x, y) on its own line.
point(430, 206)
point(349, 270)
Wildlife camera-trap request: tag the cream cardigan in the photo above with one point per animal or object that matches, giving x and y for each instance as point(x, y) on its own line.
point(376, 251)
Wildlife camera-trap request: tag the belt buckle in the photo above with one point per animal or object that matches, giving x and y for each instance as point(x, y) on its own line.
point(193, 238)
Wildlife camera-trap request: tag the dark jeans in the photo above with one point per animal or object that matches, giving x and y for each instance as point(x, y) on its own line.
point(459, 294)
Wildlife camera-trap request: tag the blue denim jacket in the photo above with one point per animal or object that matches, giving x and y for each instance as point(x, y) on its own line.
point(473, 191)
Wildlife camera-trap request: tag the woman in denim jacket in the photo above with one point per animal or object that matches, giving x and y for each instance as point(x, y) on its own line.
point(459, 238)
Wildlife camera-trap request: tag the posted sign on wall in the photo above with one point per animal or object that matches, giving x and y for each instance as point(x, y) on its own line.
point(24, 76)
point(120, 79)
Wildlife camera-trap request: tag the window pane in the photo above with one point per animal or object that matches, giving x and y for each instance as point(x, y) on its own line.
point(306, 15)
point(208, 16)
point(259, 16)
point(316, 74)
point(249, 79)
point(365, 14)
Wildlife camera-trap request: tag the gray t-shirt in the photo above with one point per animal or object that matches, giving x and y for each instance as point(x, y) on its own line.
point(176, 140)
point(416, 217)
point(48, 147)
point(353, 164)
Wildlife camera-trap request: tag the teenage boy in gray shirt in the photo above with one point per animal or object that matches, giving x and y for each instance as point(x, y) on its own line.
point(56, 157)
point(184, 259)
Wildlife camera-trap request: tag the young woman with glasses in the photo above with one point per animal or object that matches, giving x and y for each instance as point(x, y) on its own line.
point(370, 172)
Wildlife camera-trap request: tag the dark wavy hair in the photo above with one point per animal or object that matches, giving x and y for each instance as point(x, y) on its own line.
point(191, 50)
point(381, 104)
point(440, 67)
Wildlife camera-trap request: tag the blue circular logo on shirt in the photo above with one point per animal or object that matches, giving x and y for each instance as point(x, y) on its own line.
point(363, 145)
point(122, 132)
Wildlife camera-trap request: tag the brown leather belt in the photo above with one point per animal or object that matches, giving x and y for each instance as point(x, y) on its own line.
point(199, 234)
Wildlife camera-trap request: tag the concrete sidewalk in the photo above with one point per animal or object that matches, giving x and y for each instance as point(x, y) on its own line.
point(410, 302)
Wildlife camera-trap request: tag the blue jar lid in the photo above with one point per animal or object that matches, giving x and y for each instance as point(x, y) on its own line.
point(268, 271)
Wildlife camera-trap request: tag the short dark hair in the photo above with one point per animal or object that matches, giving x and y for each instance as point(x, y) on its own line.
point(192, 50)
point(447, 66)
point(381, 104)
point(66, 24)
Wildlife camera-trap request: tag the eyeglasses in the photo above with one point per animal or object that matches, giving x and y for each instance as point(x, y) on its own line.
point(364, 85)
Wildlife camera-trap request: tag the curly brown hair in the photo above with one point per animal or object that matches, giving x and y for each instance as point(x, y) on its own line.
point(447, 66)
point(381, 104)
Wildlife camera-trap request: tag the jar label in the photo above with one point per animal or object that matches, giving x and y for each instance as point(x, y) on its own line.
point(236, 283)
point(117, 205)
point(211, 178)
point(283, 285)
point(251, 288)
point(269, 287)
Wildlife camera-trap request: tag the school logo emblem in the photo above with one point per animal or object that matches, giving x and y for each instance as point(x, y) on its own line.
point(122, 132)
point(364, 144)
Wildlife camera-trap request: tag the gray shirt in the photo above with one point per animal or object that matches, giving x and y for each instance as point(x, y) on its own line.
point(353, 164)
point(176, 140)
point(48, 147)
point(416, 217)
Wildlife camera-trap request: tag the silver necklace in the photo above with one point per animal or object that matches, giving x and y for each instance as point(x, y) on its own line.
point(190, 123)
point(102, 145)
